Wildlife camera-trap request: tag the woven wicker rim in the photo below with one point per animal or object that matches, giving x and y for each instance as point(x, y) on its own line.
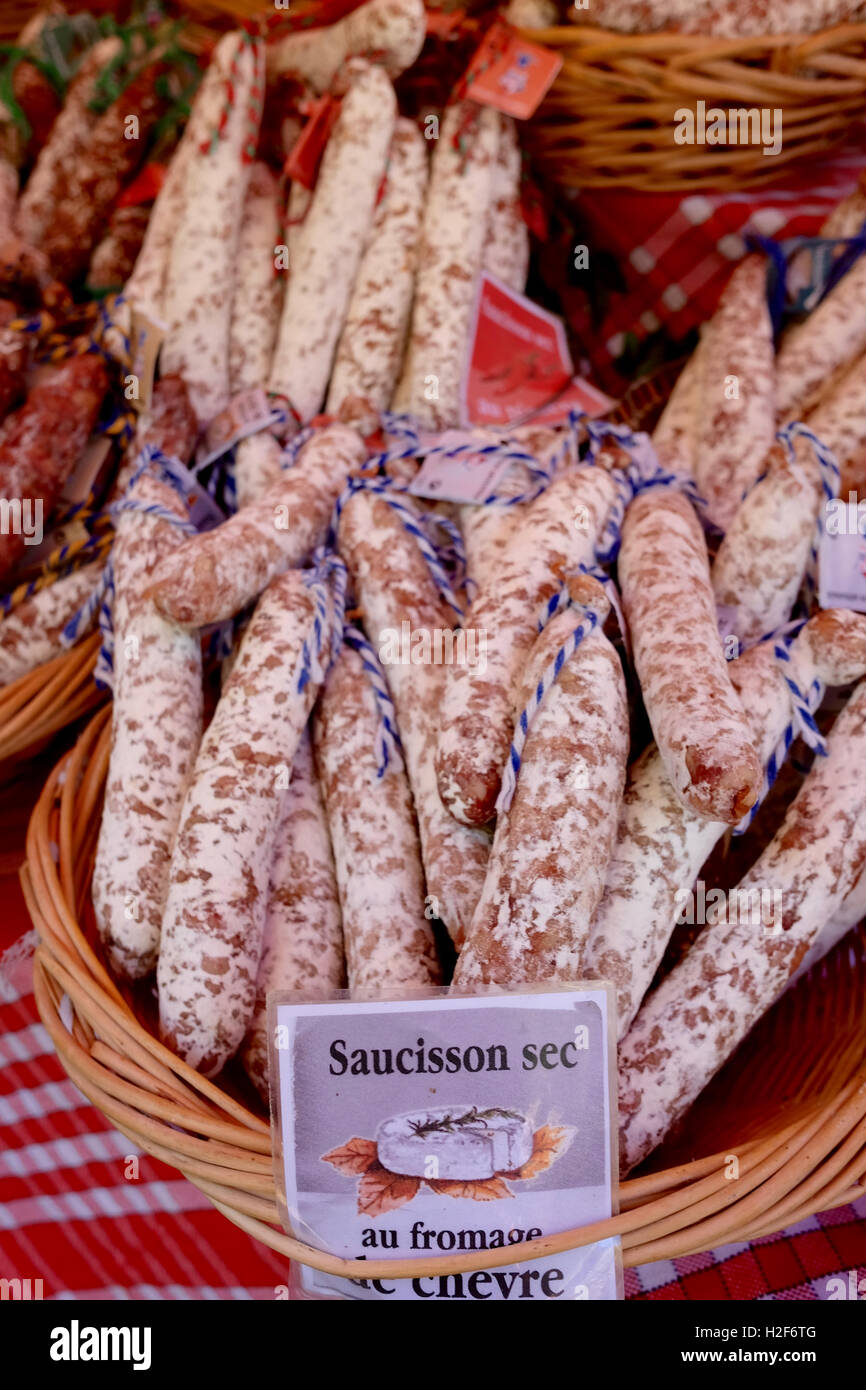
point(608, 119)
point(811, 1157)
point(37, 706)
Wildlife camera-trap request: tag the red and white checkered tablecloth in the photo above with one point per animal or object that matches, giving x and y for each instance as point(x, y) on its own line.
point(663, 259)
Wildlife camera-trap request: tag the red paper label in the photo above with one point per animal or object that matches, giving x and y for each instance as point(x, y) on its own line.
point(577, 395)
point(145, 187)
point(306, 153)
point(509, 73)
point(519, 366)
point(518, 359)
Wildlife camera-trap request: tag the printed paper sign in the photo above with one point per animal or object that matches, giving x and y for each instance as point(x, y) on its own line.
point(468, 478)
point(842, 556)
point(444, 1125)
point(519, 368)
point(510, 73)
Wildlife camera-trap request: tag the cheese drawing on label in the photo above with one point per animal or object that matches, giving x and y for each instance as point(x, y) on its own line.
point(459, 1142)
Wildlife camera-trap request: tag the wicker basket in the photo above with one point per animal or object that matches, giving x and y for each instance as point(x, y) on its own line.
point(40, 704)
point(791, 1106)
point(608, 120)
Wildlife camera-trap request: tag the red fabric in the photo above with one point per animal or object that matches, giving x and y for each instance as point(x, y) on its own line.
point(77, 1214)
point(672, 254)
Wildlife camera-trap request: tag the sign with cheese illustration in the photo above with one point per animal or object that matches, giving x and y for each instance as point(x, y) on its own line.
point(446, 1125)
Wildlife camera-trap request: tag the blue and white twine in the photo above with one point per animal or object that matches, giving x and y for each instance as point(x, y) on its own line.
point(328, 579)
point(829, 472)
point(556, 604)
point(388, 742)
point(802, 722)
point(102, 598)
point(644, 471)
point(417, 525)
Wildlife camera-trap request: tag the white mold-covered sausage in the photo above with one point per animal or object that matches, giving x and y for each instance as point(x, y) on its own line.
point(760, 564)
point(217, 574)
point(145, 288)
point(661, 844)
point(31, 633)
point(831, 338)
point(155, 734)
point(696, 716)
point(389, 941)
point(487, 530)
point(303, 938)
point(393, 586)
point(452, 249)
point(371, 344)
point(390, 31)
point(557, 534)
point(214, 922)
point(256, 299)
point(201, 267)
point(675, 435)
point(255, 319)
point(506, 250)
point(332, 239)
point(736, 421)
point(552, 845)
point(41, 197)
point(735, 970)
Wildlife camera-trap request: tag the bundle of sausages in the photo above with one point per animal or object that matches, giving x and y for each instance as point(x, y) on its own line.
point(529, 720)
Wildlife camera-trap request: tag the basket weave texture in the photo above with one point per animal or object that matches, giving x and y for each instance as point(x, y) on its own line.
point(40, 704)
point(790, 1108)
point(609, 117)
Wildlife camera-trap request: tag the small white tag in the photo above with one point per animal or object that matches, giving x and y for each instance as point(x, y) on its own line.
point(842, 556)
point(643, 453)
point(468, 478)
point(146, 337)
point(246, 413)
point(89, 470)
point(203, 510)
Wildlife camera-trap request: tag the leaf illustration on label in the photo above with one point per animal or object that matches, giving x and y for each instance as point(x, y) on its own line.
point(380, 1191)
point(480, 1189)
point(354, 1157)
point(548, 1144)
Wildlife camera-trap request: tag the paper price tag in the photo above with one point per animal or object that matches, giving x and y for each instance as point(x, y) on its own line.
point(203, 510)
point(146, 335)
point(442, 1125)
point(842, 556)
point(89, 474)
point(577, 395)
point(518, 367)
point(247, 413)
point(305, 155)
point(468, 478)
point(510, 73)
